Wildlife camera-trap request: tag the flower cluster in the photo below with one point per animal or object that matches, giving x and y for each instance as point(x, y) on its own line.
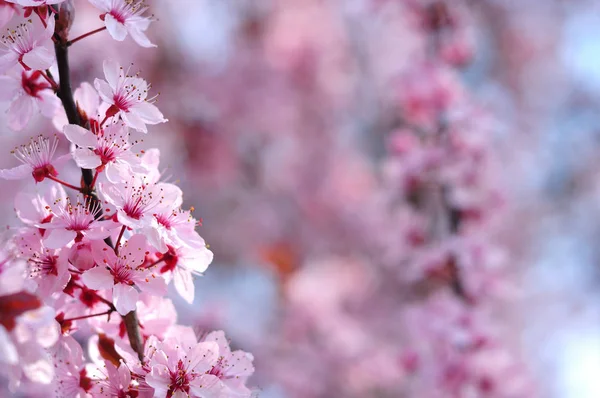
point(97, 255)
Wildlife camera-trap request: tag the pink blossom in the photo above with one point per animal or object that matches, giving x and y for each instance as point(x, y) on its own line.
point(35, 209)
point(28, 43)
point(116, 382)
point(107, 150)
point(184, 262)
point(37, 158)
point(124, 17)
point(74, 221)
point(136, 199)
point(122, 273)
point(232, 368)
point(181, 368)
point(71, 375)
point(29, 94)
point(127, 97)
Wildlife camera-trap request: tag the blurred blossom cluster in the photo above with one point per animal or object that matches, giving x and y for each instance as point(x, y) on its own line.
point(396, 198)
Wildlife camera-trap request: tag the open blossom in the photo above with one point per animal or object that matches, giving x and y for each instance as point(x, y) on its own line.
point(233, 368)
point(180, 368)
point(35, 3)
point(127, 97)
point(74, 221)
point(114, 382)
point(107, 150)
point(124, 17)
point(38, 160)
point(72, 379)
point(185, 262)
point(30, 94)
point(122, 273)
point(136, 200)
point(27, 43)
point(35, 209)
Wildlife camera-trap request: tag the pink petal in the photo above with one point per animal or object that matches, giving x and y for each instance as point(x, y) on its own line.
point(49, 103)
point(59, 238)
point(116, 29)
point(20, 112)
point(124, 376)
point(98, 278)
point(103, 254)
point(8, 60)
point(105, 91)
point(206, 386)
point(184, 283)
point(155, 286)
point(9, 87)
point(203, 356)
point(149, 113)
point(135, 249)
point(111, 68)
point(159, 378)
point(40, 57)
point(116, 172)
point(134, 121)
point(86, 158)
point(87, 98)
point(125, 298)
point(16, 173)
point(140, 37)
point(80, 136)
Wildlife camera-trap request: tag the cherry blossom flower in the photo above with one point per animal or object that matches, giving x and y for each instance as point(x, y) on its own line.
point(108, 150)
point(116, 382)
point(184, 262)
point(122, 273)
point(179, 368)
point(29, 44)
point(35, 209)
point(48, 268)
point(124, 17)
point(136, 200)
point(74, 221)
point(72, 379)
point(232, 368)
point(127, 97)
point(37, 158)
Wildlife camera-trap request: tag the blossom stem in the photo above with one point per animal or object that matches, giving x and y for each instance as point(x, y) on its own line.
point(77, 318)
point(66, 184)
point(118, 244)
point(83, 36)
point(50, 80)
point(94, 180)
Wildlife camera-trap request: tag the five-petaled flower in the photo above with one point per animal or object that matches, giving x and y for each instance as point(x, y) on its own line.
point(124, 17)
point(38, 160)
point(28, 43)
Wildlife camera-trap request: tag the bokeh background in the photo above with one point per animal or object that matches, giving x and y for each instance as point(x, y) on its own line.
point(403, 196)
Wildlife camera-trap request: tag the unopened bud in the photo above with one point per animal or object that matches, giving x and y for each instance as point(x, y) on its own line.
point(64, 20)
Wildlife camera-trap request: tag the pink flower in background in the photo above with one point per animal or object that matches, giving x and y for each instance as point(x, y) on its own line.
point(107, 150)
point(127, 97)
point(184, 262)
point(28, 43)
point(124, 17)
point(122, 273)
point(74, 221)
point(180, 367)
point(29, 94)
point(38, 160)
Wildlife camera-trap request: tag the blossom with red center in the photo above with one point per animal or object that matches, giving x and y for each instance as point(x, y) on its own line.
point(128, 97)
point(107, 150)
point(184, 262)
point(136, 199)
point(37, 158)
point(124, 17)
point(233, 368)
point(180, 369)
point(122, 273)
point(29, 94)
point(35, 209)
point(74, 220)
point(115, 382)
point(28, 43)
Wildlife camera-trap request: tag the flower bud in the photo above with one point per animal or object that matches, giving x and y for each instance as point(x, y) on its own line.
point(64, 19)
